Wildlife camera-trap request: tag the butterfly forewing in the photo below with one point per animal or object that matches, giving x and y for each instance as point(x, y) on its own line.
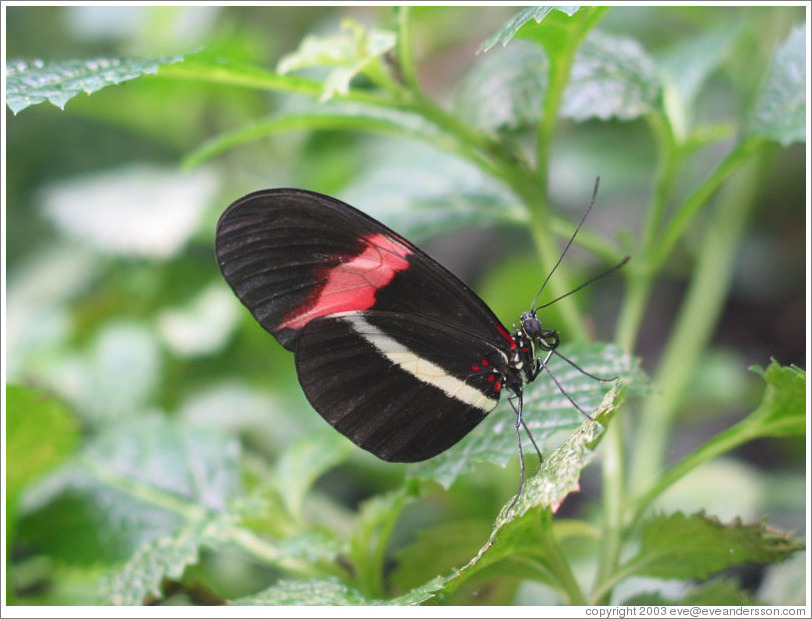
point(293, 256)
point(402, 387)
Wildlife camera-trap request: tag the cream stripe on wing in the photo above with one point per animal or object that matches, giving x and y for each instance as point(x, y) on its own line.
point(422, 369)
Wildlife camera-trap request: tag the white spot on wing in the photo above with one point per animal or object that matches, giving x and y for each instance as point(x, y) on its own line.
point(422, 369)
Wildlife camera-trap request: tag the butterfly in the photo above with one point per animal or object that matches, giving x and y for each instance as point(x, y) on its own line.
point(391, 349)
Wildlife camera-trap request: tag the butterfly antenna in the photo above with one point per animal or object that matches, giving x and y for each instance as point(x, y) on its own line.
point(587, 282)
point(567, 246)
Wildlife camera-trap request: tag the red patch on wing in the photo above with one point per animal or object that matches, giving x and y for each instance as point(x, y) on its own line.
point(507, 336)
point(351, 286)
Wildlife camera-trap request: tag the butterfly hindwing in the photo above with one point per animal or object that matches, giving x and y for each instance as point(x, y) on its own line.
point(293, 256)
point(403, 387)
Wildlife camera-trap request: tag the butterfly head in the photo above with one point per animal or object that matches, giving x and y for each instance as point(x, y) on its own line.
point(546, 339)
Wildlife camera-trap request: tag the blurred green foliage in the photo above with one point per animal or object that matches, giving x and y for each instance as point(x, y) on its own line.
point(158, 446)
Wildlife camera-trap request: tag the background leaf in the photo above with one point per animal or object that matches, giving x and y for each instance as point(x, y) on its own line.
point(612, 77)
point(303, 463)
point(136, 482)
point(40, 433)
point(164, 558)
point(680, 546)
point(782, 411)
point(780, 111)
point(714, 593)
point(330, 592)
point(29, 82)
point(505, 89)
point(347, 54)
point(134, 211)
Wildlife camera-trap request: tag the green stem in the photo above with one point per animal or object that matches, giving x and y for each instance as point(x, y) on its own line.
point(614, 498)
point(561, 61)
point(557, 563)
point(639, 274)
point(635, 300)
point(537, 201)
point(695, 322)
point(405, 57)
point(686, 213)
point(727, 440)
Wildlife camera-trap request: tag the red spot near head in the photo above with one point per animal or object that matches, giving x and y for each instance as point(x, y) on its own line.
point(497, 387)
point(491, 378)
point(352, 284)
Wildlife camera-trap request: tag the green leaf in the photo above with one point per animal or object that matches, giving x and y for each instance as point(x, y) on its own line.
point(115, 377)
point(370, 537)
point(164, 558)
point(504, 90)
point(560, 472)
point(612, 77)
point(331, 592)
point(546, 412)
point(136, 482)
point(29, 82)
point(146, 221)
point(303, 463)
point(517, 531)
point(681, 547)
point(436, 548)
point(347, 54)
point(780, 110)
point(714, 593)
point(509, 29)
point(782, 411)
point(40, 433)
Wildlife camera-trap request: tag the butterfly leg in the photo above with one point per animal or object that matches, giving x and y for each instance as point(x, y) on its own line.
point(519, 424)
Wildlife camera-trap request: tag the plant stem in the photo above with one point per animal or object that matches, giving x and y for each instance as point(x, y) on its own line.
point(558, 565)
point(697, 317)
point(640, 275)
point(731, 438)
point(405, 57)
point(613, 467)
point(537, 200)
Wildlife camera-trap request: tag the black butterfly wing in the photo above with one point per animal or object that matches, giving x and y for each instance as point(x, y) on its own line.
point(403, 387)
point(293, 256)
